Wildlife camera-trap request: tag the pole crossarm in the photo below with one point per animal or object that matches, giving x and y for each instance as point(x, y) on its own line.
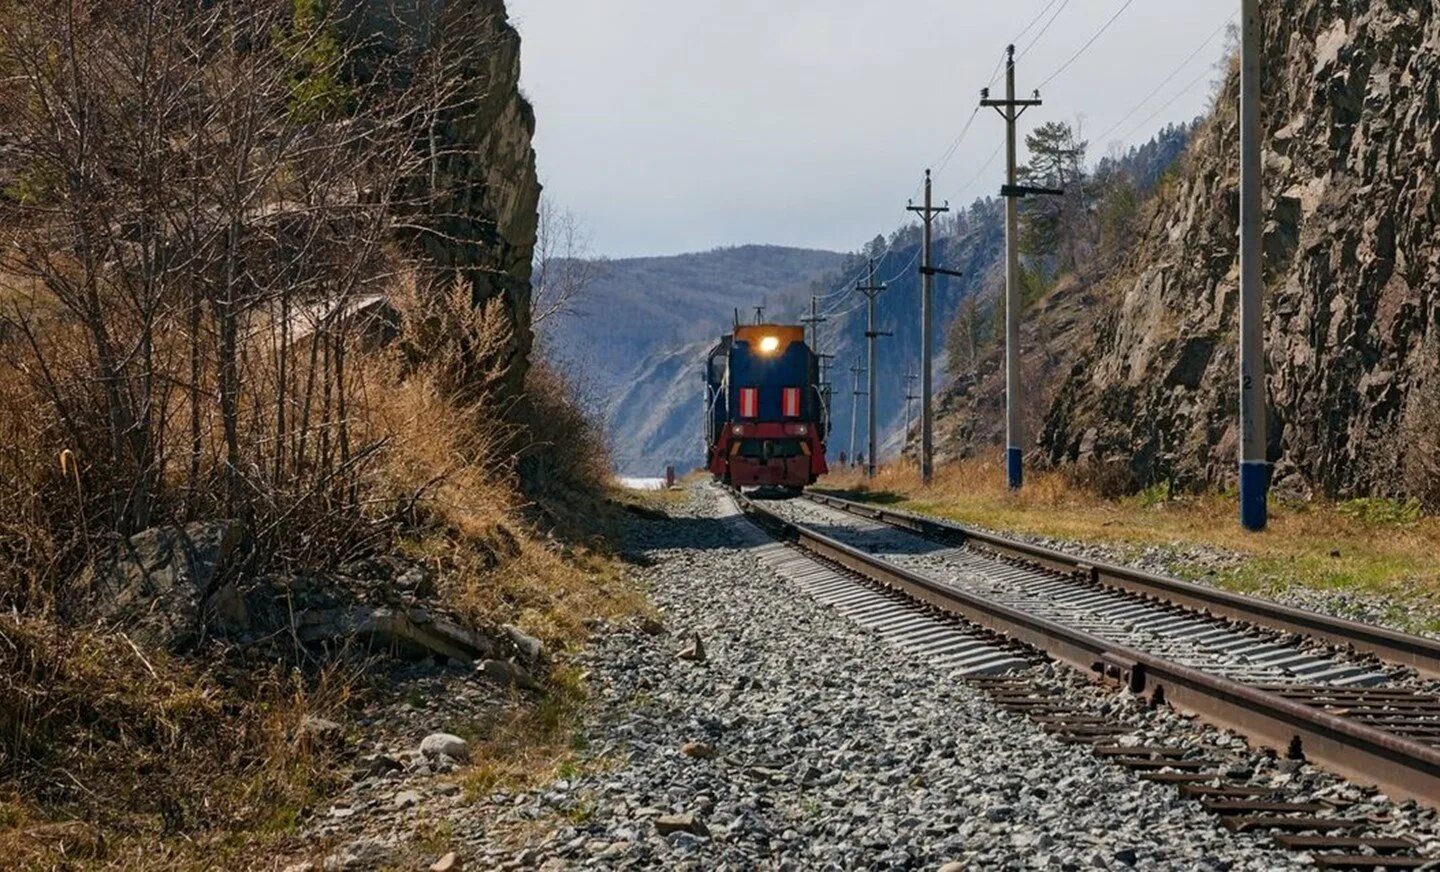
point(940, 271)
point(1022, 191)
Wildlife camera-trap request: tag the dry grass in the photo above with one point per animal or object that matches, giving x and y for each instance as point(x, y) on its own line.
point(1374, 547)
point(114, 757)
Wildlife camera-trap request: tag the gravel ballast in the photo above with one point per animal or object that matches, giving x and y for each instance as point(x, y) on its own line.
point(799, 743)
point(759, 729)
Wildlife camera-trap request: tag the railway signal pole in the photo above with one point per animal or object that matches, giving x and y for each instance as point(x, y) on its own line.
point(1011, 109)
point(871, 291)
point(855, 395)
point(1254, 465)
point(927, 309)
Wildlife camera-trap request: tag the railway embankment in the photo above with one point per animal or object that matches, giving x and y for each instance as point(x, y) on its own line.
point(1368, 560)
point(749, 724)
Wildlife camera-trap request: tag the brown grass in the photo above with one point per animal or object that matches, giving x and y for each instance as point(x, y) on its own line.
point(126, 757)
point(1375, 547)
point(129, 759)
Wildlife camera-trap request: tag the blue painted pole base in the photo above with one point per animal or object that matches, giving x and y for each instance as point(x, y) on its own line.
point(1254, 494)
point(1014, 469)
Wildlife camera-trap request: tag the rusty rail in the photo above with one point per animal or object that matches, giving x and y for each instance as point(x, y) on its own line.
point(1417, 652)
point(1402, 767)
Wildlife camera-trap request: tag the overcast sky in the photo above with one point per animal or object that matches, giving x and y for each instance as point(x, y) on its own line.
point(676, 125)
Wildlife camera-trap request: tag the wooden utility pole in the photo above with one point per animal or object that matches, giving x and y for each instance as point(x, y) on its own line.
point(1254, 465)
point(927, 328)
point(1011, 109)
point(871, 291)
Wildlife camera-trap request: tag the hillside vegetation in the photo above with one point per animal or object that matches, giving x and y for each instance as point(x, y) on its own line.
point(264, 382)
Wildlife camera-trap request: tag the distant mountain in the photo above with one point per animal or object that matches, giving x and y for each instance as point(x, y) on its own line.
point(637, 336)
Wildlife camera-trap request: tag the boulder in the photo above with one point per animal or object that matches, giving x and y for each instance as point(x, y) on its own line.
point(695, 651)
point(448, 863)
point(317, 732)
point(531, 649)
point(436, 745)
point(167, 585)
point(681, 823)
point(508, 674)
point(410, 634)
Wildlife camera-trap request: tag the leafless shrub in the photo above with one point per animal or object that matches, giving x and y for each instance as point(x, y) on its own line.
point(200, 205)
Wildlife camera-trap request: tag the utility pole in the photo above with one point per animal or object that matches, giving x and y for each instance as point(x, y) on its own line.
point(822, 388)
point(1254, 465)
point(927, 310)
point(1011, 109)
point(760, 314)
point(814, 322)
point(871, 291)
point(910, 398)
point(855, 395)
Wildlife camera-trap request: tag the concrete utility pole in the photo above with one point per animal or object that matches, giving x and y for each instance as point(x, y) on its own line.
point(855, 395)
point(927, 309)
point(871, 291)
point(1254, 465)
point(910, 398)
point(1011, 109)
point(822, 388)
point(814, 322)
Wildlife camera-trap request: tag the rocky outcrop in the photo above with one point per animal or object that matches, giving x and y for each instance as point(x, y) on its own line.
point(167, 586)
point(483, 225)
point(1352, 140)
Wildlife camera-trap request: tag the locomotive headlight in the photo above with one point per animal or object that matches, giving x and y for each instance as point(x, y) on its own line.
point(738, 430)
point(801, 430)
point(769, 344)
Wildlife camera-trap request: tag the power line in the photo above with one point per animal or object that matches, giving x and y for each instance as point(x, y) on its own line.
point(1167, 80)
point(1032, 42)
point(1034, 21)
point(1168, 103)
point(1104, 27)
point(950, 152)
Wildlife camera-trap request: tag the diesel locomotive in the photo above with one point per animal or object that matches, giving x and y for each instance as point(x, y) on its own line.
point(766, 419)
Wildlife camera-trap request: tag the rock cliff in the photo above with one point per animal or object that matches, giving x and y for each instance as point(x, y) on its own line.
point(483, 225)
point(1137, 361)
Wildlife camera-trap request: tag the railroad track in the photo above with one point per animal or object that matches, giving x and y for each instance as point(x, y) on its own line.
point(1237, 663)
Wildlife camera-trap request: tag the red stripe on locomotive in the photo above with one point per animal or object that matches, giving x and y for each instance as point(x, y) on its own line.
point(749, 402)
point(790, 403)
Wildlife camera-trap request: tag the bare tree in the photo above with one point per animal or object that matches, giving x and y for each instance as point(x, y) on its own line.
point(564, 267)
point(201, 202)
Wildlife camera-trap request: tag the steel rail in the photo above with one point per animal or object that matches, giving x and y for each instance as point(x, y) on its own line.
point(1400, 766)
point(1417, 652)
